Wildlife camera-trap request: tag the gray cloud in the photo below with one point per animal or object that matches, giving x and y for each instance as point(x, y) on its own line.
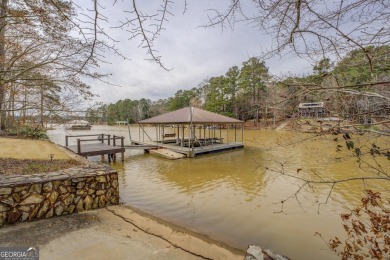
point(193, 52)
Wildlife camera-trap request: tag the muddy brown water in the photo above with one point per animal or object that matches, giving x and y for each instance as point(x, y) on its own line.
point(235, 196)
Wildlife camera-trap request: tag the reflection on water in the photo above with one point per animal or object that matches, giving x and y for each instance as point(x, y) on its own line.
point(233, 196)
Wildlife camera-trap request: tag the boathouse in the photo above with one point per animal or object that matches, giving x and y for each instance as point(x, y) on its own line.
point(315, 109)
point(119, 123)
point(191, 131)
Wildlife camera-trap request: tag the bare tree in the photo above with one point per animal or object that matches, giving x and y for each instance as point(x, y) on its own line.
point(313, 29)
point(322, 31)
point(37, 46)
point(66, 41)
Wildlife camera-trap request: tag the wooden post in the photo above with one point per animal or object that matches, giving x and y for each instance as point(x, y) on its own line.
point(235, 133)
point(220, 133)
point(102, 138)
point(157, 136)
point(178, 134)
point(228, 127)
point(102, 157)
point(163, 132)
point(182, 135)
point(109, 136)
point(66, 140)
point(78, 146)
point(113, 140)
point(242, 132)
point(213, 136)
point(123, 148)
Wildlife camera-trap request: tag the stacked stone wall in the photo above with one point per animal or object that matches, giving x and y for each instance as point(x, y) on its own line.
point(39, 196)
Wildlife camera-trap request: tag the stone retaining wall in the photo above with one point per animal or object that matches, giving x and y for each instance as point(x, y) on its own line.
point(38, 196)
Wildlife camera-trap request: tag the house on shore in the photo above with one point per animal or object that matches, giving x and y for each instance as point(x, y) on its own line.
point(78, 125)
point(314, 109)
point(120, 123)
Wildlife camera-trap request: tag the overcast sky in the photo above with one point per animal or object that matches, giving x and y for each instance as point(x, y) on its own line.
point(193, 53)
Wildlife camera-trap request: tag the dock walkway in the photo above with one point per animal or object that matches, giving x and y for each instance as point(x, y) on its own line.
point(98, 147)
point(186, 150)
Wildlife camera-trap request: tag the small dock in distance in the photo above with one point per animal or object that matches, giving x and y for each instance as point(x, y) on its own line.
point(98, 144)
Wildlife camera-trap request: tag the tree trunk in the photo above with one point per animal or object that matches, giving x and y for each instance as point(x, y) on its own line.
point(24, 111)
point(41, 107)
point(12, 100)
point(3, 22)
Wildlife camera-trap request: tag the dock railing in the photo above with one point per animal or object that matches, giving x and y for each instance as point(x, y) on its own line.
point(99, 137)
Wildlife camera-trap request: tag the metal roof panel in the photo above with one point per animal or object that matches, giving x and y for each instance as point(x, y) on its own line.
point(183, 116)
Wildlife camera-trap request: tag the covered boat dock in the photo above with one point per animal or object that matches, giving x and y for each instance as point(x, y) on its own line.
point(191, 131)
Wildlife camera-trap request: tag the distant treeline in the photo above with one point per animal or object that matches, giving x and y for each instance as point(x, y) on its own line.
point(250, 91)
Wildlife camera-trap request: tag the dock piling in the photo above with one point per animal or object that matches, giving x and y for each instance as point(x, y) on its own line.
point(123, 150)
point(78, 146)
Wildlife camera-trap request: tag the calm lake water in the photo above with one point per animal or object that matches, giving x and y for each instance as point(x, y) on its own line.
point(234, 196)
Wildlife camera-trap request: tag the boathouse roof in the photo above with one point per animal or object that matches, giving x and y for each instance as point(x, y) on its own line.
point(183, 116)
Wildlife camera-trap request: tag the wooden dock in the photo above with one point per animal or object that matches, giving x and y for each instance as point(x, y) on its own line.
point(138, 145)
point(98, 144)
point(187, 151)
point(197, 151)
